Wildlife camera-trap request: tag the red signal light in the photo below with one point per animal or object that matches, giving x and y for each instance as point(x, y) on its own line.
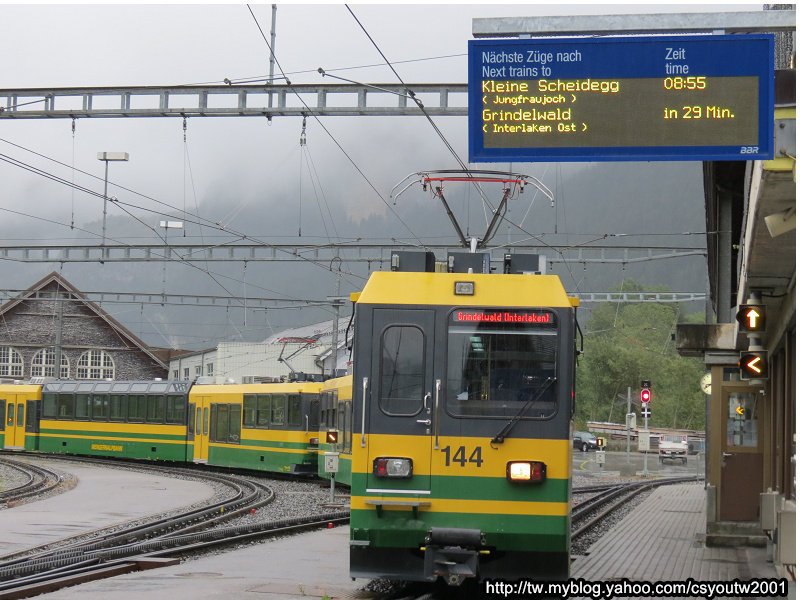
point(645, 396)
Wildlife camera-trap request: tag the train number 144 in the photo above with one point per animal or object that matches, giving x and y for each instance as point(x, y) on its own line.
point(459, 456)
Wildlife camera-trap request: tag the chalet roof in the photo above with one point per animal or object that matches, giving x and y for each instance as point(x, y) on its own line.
point(61, 283)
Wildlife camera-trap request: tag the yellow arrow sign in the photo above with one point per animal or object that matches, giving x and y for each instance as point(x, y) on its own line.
point(753, 364)
point(740, 410)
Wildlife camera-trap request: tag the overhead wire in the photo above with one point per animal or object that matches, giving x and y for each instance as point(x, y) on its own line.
point(325, 129)
point(444, 139)
point(201, 222)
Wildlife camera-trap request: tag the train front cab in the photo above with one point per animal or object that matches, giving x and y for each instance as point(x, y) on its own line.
point(20, 407)
point(461, 442)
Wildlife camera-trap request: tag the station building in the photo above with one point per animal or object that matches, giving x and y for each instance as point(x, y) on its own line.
point(53, 322)
point(751, 422)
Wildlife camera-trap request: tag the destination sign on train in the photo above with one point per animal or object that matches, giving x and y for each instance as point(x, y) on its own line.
point(505, 317)
point(642, 98)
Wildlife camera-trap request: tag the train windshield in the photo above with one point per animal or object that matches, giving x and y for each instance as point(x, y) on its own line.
point(498, 360)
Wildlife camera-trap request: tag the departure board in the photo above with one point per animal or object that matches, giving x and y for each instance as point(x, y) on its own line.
point(702, 97)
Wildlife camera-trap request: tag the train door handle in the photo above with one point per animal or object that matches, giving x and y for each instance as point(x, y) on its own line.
point(727, 454)
point(424, 422)
point(425, 401)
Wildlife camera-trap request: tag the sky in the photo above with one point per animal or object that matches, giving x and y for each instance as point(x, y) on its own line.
point(244, 172)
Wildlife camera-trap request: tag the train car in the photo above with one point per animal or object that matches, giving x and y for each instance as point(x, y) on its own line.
point(20, 405)
point(125, 419)
point(463, 395)
point(263, 426)
point(336, 427)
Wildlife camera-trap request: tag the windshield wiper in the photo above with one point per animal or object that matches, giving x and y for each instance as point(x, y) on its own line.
point(500, 437)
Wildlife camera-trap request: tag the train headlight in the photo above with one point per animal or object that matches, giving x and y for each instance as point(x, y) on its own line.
point(398, 468)
point(526, 471)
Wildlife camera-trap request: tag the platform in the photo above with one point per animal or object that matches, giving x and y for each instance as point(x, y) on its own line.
point(100, 497)
point(662, 539)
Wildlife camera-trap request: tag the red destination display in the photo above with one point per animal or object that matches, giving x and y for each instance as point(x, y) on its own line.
point(522, 318)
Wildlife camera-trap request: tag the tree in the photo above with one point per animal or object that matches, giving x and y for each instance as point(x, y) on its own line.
point(626, 343)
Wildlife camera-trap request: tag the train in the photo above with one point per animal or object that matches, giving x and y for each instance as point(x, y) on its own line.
point(453, 431)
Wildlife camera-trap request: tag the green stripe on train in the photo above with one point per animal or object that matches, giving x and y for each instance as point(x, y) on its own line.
point(99, 446)
point(259, 460)
point(274, 444)
point(397, 528)
point(473, 488)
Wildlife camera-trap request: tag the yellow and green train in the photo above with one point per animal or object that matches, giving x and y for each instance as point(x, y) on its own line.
point(463, 388)
point(453, 430)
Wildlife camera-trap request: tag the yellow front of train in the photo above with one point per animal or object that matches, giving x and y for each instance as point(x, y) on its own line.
point(463, 393)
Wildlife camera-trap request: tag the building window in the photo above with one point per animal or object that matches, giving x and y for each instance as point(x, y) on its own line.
point(10, 362)
point(198, 370)
point(186, 373)
point(175, 374)
point(95, 364)
point(43, 364)
point(209, 368)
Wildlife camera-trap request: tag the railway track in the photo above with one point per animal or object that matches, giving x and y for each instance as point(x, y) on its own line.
point(38, 480)
point(607, 499)
point(159, 541)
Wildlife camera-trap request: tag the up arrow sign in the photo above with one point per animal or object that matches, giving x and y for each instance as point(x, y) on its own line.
point(752, 317)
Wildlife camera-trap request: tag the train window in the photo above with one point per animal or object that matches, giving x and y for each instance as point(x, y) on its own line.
point(295, 411)
point(313, 417)
point(65, 406)
point(402, 369)
point(495, 368)
point(278, 409)
point(117, 407)
point(20, 415)
point(2, 412)
point(250, 406)
point(176, 409)
point(348, 426)
point(263, 413)
point(234, 424)
point(49, 407)
point(137, 408)
point(156, 409)
point(205, 421)
point(82, 406)
point(10, 418)
point(99, 407)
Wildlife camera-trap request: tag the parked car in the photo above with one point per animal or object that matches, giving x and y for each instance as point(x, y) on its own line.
point(673, 447)
point(583, 441)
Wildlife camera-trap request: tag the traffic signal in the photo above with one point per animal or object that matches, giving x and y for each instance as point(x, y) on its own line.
point(331, 437)
point(644, 395)
point(753, 364)
point(752, 317)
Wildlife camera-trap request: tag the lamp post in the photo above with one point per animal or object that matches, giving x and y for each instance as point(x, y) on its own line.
point(106, 157)
point(167, 225)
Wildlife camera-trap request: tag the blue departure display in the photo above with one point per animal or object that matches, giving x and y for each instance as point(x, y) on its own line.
point(702, 97)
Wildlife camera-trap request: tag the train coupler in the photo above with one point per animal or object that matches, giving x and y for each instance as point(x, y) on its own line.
point(452, 554)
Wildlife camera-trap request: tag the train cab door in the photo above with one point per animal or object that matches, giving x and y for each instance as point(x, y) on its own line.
point(15, 423)
point(202, 417)
point(401, 409)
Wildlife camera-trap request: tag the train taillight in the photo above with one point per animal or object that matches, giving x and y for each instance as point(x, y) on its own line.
point(398, 468)
point(527, 471)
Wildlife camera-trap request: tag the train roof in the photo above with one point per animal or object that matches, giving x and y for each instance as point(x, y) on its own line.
point(117, 387)
point(412, 288)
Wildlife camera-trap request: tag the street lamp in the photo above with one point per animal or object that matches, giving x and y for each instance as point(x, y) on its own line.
point(106, 157)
